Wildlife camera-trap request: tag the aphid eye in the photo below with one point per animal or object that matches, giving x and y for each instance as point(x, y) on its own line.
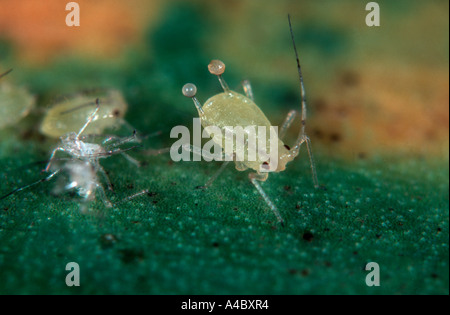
point(265, 165)
point(287, 147)
point(116, 113)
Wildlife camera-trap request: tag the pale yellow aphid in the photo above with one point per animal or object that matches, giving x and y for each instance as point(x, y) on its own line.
point(15, 102)
point(71, 114)
point(234, 109)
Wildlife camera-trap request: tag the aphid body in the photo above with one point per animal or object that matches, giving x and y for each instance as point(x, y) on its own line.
point(15, 103)
point(71, 114)
point(230, 108)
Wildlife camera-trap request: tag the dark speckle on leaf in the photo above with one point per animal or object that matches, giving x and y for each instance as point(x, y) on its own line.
point(131, 255)
point(308, 236)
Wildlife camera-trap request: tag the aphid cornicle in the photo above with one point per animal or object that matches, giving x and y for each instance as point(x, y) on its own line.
point(71, 114)
point(15, 102)
point(234, 109)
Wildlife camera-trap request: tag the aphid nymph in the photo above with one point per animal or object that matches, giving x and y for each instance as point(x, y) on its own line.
point(230, 108)
point(82, 165)
point(15, 102)
point(71, 114)
point(73, 144)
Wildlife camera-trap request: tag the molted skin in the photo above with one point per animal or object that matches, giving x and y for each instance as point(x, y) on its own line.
point(81, 149)
point(71, 114)
point(231, 109)
point(15, 103)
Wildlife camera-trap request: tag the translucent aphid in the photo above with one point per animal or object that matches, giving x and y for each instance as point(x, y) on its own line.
point(82, 165)
point(234, 109)
point(82, 178)
point(72, 143)
point(71, 114)
point(15, 102)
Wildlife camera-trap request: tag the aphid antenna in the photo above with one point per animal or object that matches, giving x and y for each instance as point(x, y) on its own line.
point(302, 136)
point(91, 117)
point(79, 107)
point(31, 185)
point(6, 73)
point(302, 86)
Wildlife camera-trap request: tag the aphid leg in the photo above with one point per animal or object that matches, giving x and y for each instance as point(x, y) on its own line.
point(248, 89)
point(103, 196)
point(52, 156)
point(131, 159)
point(214, 177)
point(120, 140)
point(207, 155)
point(287, 123)
point(254, 178)
point(90, 118)
point(143, 192)
point(103, 172)
point(32, 184)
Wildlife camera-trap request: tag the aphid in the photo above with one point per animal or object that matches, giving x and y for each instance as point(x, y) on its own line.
point(83, 163)
point(15, 102)
point(72, 143)
point(71, 114)
point(234, 109)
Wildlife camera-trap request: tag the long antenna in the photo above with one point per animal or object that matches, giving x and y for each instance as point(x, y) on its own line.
point(302, 136)
point(30, 185)
point(7, 72)
point(302, 86)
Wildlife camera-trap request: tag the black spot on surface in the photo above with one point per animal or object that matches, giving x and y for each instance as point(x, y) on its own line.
point(335, 137)
point(215, 244)
point(350, 78)
point(308, 236)
point(362, 155)
point(318, 133)
point(131, 255)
